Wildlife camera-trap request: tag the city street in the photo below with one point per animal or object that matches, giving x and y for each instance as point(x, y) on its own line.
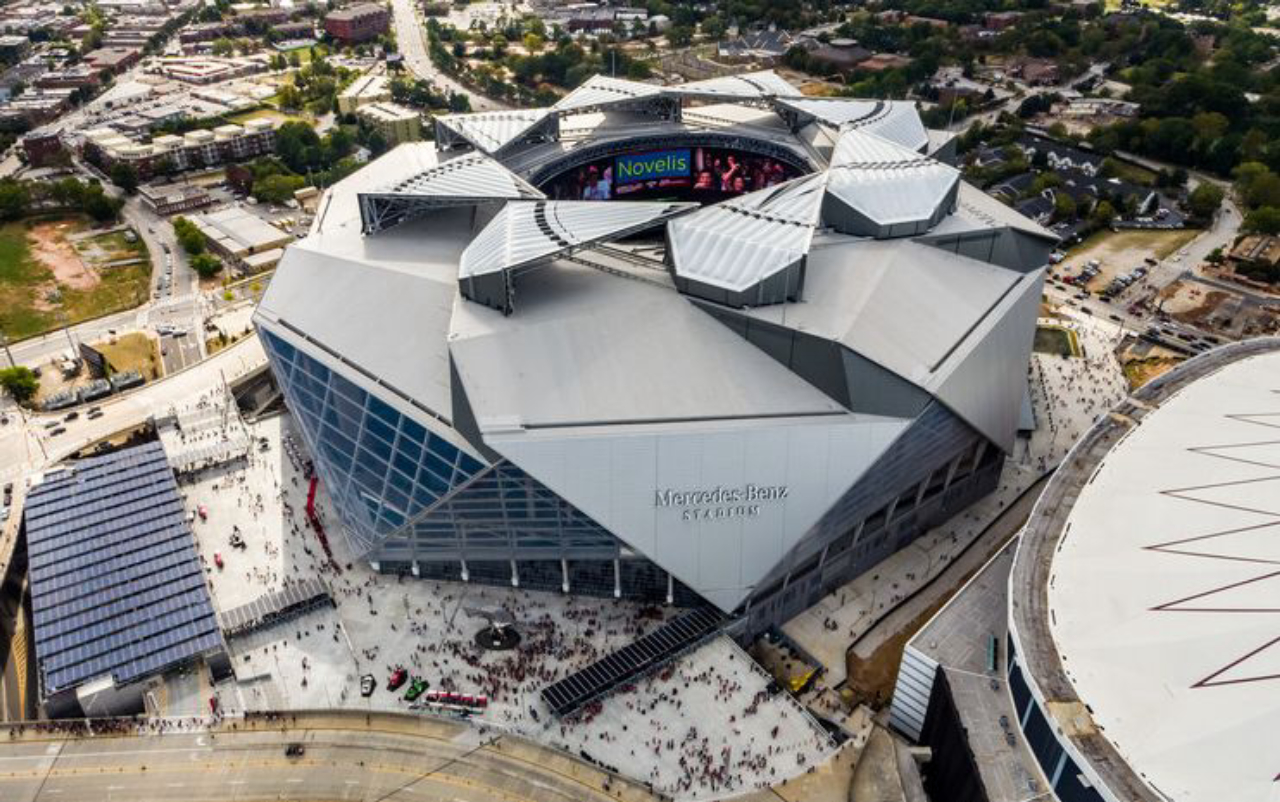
point(411, 37)
point(382, 757)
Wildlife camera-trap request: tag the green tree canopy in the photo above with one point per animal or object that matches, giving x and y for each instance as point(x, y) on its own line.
point(20, 382)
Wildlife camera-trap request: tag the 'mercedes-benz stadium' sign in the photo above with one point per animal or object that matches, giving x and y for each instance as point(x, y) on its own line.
point(720, 502)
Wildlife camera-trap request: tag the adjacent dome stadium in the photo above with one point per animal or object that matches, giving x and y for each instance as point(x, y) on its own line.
point(1143, 647)
point(716, 343)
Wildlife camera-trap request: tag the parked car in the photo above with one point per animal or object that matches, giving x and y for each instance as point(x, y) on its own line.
point(397, 678)
point(367, 685)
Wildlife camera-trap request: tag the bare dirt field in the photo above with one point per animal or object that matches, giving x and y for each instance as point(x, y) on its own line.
point(1191, 302)
point(50, 247)
point(1118, 252)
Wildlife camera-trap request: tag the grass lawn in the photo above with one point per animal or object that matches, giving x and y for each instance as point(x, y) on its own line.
point(1056, 340)
point(31, 301)
point(110, 248)
point(121, 288)
point(1134, 173)
point(21, 278)
point(134, 351)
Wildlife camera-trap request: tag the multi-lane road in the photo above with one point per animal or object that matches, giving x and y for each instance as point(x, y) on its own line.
point(386, 757)
point(411, 38)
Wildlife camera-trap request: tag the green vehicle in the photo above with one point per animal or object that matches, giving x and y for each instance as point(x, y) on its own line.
point(416, 688)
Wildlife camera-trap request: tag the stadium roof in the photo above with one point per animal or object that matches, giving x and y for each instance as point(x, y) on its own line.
point(493, 131)
point(887, 189)
point(117, 588)
point(1162, 596)
point(745, 240)
point(895, 120)
point(749, 86)
point(601, 91)
point(531, 231)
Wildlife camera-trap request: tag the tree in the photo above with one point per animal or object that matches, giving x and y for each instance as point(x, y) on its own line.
point(1103, 214)
point(1263, 221)
point(20, 382)
point(13, 199)
point(124, 176)
point(1064, 207)
point(1205, 199)
point(189, 236)
point(206, 265)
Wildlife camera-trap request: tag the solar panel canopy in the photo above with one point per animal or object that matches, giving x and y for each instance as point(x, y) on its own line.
point(117, 588)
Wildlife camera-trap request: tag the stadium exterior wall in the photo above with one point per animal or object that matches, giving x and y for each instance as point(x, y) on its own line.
point(407, 486)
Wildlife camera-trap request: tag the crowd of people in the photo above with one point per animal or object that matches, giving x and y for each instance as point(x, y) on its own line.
point(383, 622)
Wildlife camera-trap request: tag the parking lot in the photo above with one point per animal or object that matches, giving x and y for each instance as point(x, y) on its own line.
point(1118, 253)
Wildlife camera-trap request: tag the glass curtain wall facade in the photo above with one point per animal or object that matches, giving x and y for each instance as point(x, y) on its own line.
point(380, 467)
point(412, 501)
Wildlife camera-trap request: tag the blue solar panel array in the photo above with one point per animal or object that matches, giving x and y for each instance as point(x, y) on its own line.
point(116, 585)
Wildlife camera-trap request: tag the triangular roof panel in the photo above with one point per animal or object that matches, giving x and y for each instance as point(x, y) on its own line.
point(462, 181)
point(898, 121)
point(601, 90)
point(493, 131)
point(751, 86)
point(525, 232)
point(736, 244)
point(884, 189)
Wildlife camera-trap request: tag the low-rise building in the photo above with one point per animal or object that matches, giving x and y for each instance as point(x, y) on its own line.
point(113, 59)
point(172, 153)
point(294, 30)
point(167, 199)
point(37, 106)
point(395, 122)
point(75, 77)
point(357, 23)
point(237, 235)
point(13, 48)
point(364, 90)
point(43, 150)
point(205, 70)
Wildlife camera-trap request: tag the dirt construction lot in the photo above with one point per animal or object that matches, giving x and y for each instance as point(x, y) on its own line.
point(1121, 251)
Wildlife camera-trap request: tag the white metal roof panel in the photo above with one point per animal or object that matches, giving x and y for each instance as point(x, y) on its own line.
point(588, 347)
point(468, 175)
point(742, 241)
point(749, 86)
point(491, 131)
point(528, 231)
point(901, 304)
point(886, 182)
point(601, 90)
point(898, 121)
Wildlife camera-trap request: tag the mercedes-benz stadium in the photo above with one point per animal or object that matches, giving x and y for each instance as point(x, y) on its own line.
point(717, 342)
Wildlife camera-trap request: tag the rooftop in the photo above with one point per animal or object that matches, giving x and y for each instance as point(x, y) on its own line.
point(1143, 584)
point(116, 586)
